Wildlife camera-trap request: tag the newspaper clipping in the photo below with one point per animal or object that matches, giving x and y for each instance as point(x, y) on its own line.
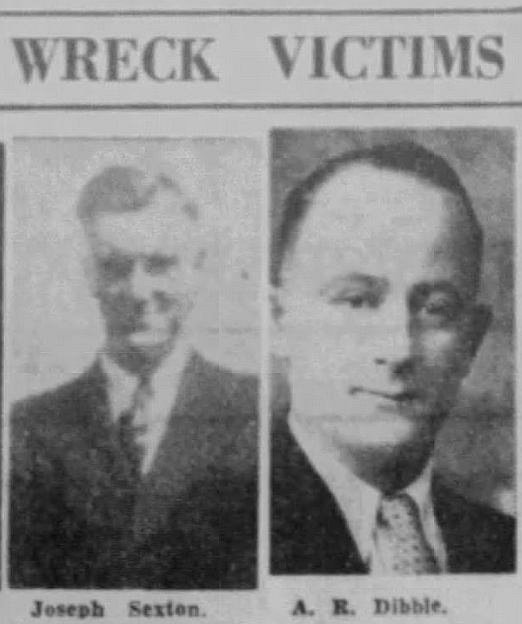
point(259, 312)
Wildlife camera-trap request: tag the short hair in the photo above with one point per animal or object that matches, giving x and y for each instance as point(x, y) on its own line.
point(403, 156)
point(119, 189)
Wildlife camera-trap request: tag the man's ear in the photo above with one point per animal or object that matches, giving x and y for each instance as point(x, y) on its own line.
point(90, 274)
point(276, 303)
point(479, 323)
point(277, 308)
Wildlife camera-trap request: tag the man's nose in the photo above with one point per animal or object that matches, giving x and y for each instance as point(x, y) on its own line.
point(393, 338)
point(141, 283)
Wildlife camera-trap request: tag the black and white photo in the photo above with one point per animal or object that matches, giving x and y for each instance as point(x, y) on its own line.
point(377, 260)
point(139, 469)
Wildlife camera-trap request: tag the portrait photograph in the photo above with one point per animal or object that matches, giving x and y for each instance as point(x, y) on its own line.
point(392, 429)
point(132, 363)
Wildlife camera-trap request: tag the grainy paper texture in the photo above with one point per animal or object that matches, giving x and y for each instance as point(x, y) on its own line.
point(260, 314)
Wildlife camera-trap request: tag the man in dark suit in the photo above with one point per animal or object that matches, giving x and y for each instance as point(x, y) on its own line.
point(142, 471)
point(377, 277)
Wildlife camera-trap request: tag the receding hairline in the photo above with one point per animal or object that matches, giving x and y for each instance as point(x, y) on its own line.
point(301, 197)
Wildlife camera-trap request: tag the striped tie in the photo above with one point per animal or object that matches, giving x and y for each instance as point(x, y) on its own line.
point(132, 425)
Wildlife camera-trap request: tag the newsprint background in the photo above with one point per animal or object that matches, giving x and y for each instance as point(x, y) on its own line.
point(236, 103)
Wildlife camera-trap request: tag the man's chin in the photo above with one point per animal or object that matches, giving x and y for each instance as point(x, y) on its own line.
point(385, 431)
point(143, 349)
point(146, 340)
point(151, 345)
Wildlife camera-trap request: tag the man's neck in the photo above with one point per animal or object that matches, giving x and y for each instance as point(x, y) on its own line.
point(388, 469)
point(162, 379)
point(140, 362)
point(359, 498)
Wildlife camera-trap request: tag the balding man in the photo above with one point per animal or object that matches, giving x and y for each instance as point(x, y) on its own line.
point(142, 471)
point(377, 281)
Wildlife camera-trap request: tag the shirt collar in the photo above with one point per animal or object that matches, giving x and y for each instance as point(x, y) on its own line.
point(357, 499)
point(122, 384)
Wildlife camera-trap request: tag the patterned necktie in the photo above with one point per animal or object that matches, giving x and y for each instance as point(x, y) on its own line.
point(132, 426)
point(402, 538)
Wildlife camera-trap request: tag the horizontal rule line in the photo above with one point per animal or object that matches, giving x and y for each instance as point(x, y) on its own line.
point(255, 106)
point(265, 13)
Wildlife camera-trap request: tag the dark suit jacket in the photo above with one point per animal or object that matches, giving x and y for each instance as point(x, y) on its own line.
point(309, 533)
point(79, 519)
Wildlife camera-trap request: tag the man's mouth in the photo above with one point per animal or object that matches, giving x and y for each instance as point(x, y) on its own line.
point(399, 397)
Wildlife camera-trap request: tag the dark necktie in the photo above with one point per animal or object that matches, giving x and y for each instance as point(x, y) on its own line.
point(402, 538)
point(132, 427)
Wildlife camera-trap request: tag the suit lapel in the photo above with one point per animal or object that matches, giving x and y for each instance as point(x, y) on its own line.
point(309, 532)
point(468, 533)
point(97, 471)
point(191, 448)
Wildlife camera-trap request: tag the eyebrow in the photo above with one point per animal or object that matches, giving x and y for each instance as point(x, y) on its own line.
point(370, 282)
point(156, 255)
point(116, 254)
point(443, 286)
point(381, 285)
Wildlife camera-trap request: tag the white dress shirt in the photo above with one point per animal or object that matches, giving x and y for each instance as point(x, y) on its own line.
point(359, 501)
point(164, 387)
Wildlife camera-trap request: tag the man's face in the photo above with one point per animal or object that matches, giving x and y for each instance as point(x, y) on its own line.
point(144, 275)
point(379, 314)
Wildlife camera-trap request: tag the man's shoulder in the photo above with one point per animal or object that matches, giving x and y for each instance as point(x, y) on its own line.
point(57, 406)
point(200, 364)
point(51, 425)
point(223, 405)
point(222, 386)
point(479, 538)
point(454, 505)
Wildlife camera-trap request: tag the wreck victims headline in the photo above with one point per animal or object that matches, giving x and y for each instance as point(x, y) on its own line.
point(165, 59)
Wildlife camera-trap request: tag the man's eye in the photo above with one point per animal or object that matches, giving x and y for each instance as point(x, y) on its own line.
point(160, 264)
point(353, 300)
point(115, 268)
point(356, 301)
point(440, 308)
